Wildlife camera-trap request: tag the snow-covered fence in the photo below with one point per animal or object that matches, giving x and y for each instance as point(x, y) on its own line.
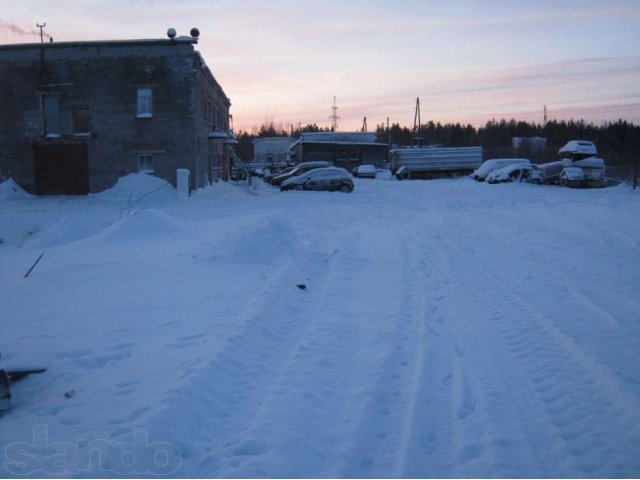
point(629, 174)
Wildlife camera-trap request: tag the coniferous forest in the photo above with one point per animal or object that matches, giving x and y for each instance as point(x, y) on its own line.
point(618, 142)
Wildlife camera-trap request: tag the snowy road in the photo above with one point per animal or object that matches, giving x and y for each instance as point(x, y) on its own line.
point(447, 329)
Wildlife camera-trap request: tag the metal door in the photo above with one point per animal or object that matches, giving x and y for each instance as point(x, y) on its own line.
point(61, 169)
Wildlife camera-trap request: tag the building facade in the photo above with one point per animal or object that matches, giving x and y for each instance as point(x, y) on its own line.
point(76, 116)
point(343, 149)
point(272, 149)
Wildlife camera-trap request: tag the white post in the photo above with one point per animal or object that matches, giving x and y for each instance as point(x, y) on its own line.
point(183, 181)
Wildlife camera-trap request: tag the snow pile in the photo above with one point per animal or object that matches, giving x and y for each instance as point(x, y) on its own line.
point(136, 186)
point(142, 226)
point(10, 190)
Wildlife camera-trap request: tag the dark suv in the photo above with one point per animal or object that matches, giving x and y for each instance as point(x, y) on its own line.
point(331, 179)
point(298, 170)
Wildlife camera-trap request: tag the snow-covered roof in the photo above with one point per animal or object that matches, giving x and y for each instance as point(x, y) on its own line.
point(273, 141)
point(579, 146)
point(361, 144)
point(339, 137)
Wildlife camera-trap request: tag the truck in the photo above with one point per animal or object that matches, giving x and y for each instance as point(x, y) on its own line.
point(433, 162)
point(579, 166)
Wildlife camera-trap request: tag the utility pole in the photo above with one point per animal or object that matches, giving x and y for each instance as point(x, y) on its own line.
point(388, 133)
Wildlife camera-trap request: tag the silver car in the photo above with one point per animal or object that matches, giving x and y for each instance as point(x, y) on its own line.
point(511, 173)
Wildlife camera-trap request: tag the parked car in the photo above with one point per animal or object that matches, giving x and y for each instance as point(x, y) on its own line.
point(511, 173)
point(364, 171)
point(297, 170)
point(330, 178)
point(271, 175)
point(488, 166)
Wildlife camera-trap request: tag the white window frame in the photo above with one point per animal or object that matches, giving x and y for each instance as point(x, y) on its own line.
point(144, 103)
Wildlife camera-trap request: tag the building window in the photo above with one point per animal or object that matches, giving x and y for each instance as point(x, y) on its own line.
point(81, 119)
point(145, 103)
point(145, 163)
point(51, 114)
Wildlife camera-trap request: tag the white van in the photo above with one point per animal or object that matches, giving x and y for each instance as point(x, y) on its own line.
point(489, 165)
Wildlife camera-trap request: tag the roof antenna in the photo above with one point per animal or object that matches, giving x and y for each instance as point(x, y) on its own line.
point(41, 27)
point(41, 51)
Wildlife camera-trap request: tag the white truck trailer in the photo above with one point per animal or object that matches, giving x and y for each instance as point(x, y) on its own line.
point(432, 162)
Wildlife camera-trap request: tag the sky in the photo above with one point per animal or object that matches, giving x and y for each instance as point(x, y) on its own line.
point(467, 61)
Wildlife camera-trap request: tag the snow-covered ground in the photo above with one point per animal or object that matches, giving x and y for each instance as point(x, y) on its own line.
point(448, 329)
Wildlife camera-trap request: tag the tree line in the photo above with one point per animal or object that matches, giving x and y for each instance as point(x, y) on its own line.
point(618, 142)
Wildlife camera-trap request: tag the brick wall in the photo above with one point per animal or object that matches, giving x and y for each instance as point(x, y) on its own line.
point(105, 77)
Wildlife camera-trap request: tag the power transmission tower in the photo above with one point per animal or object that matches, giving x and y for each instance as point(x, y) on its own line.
point(334, 118)
point(417, 139)
point(364, 125)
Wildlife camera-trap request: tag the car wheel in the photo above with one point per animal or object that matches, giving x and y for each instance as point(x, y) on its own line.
point(298, 187)
point(344, 188)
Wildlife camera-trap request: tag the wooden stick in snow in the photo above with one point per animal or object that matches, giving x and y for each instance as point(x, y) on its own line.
point(34, 265)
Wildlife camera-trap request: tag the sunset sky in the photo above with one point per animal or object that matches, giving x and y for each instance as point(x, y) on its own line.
point(469, 62)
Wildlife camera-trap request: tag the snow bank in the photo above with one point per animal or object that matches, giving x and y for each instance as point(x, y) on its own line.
point(10, 190)
point(142, 226)
point(135, 186)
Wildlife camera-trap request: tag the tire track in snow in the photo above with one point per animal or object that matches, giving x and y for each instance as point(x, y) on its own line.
point(409, 427)
point(324, 395)
point(384, 427)
point(219, 399)
point(436, 396)
point(444, 430)
point(559, 292)
point(574, 413)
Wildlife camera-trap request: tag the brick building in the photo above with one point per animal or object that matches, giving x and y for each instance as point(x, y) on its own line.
point(75, 116)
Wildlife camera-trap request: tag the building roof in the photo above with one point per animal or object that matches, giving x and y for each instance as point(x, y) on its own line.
point(338, 137)
point(273, 140)
point(359, 144)
point(101, 43)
